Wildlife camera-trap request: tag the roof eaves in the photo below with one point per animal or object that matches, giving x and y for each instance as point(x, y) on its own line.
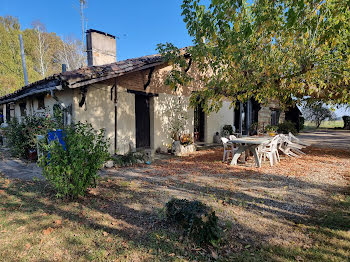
point(45, 85)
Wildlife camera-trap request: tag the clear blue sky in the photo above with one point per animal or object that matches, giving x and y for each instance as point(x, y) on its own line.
point(139, 24)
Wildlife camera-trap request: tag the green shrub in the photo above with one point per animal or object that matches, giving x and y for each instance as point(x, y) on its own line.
point(198, 221)
point(73, 170)
point(128, 159)
point(286, 127)
point(227, 130)
point(22, 136)
point(15, 139)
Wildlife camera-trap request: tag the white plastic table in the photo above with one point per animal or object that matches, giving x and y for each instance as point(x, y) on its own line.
point(248, 143)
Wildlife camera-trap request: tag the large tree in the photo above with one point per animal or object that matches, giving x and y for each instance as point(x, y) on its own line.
point(317, 113)
point(44, 51)
point(266, 49)
point(11, 71)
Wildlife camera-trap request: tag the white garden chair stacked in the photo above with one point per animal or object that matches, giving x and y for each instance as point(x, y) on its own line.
point(228, 148)
point(296, 140)
point(270, 150)
point(291, 145)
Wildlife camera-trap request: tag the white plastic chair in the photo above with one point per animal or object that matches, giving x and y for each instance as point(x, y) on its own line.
point(232, 137)
point(290, 148)
point(270, 150)
point(228, 148)
point(296, 140)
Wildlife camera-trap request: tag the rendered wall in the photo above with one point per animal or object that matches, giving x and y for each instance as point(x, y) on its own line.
point(216, 121)
point(162, 108)
point(64, 96)
point(126, 122)
point(97, 110)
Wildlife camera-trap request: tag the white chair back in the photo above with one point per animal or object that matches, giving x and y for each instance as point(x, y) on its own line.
point(232, 137)
point(224, 141)
point(292, 137)
point(274, 142)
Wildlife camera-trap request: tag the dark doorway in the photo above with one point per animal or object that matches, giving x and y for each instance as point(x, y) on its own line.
point(294, 114)
point(245, 114)
point(199, 124)
point(8, 112)
point(142, 121)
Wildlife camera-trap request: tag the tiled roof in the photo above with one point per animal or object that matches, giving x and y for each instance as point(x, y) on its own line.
point(87, 75)
point(78, 77)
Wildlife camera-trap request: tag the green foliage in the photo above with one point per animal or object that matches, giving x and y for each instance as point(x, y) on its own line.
point(264, 49)
point(44, 51)
point(227, 130)
point(16, 141)
point(271, 128)
point(129, 159)
point(11, 72)
point(286, 127)
point(75, 169)
point(197, 220)
point(22, 135)
point(177, 117)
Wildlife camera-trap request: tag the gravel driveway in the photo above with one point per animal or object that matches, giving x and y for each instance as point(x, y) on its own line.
point(328, 138)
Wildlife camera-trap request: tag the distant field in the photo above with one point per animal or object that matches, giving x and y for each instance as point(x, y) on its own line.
point(325, 124)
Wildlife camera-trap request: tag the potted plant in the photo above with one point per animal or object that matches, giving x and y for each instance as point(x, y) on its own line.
point(227, 130)
point(184, 145)
point(271, 130)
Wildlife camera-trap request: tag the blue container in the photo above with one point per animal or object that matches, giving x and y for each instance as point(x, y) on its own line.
point(58, 134)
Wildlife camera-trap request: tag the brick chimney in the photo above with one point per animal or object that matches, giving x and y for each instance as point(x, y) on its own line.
point(101, 48)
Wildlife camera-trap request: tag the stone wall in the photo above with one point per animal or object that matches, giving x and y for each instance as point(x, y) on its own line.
point(265, 113)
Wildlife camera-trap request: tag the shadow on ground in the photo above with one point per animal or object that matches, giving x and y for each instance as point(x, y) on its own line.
point(127, 206)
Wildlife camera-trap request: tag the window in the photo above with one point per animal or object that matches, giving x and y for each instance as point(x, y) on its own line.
point(41, 103)
point(23, 108)
point(275, 117)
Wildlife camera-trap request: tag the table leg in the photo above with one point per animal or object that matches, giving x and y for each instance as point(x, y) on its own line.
point(256, 156)
point(237, 154)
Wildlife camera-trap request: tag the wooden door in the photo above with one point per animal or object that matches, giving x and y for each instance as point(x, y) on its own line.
point(142, 121)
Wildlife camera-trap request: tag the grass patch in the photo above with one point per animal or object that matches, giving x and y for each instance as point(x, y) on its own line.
point(325, 124)
point(35, 226)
